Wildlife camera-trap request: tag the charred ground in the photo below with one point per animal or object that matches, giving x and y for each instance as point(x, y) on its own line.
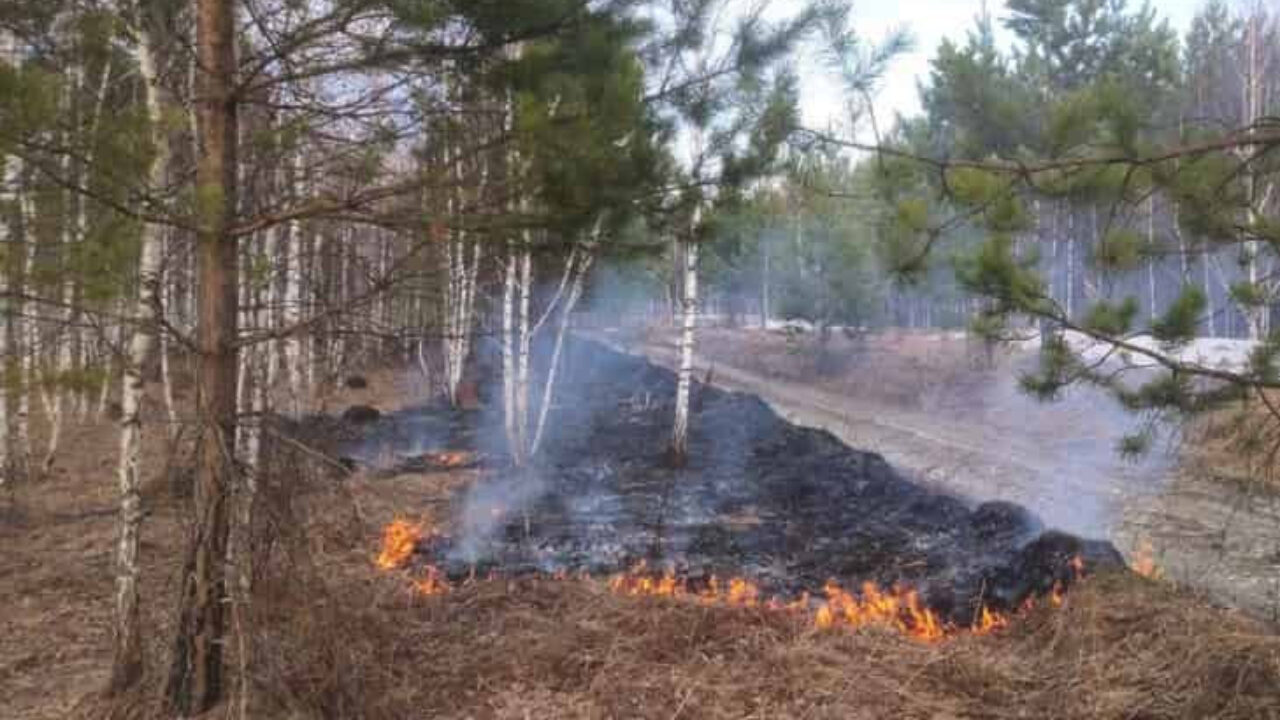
point(786, 506)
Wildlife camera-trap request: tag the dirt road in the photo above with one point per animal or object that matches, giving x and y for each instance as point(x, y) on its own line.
point(992, 442)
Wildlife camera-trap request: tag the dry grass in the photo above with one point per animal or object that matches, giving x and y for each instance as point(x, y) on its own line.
point(334, 638)
point(1239, 444)
point(1121, 648)
point(338, 639)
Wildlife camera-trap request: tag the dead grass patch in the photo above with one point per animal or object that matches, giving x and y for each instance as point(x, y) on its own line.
point(1239, 444)
point(1122, 647)
point(334, 638)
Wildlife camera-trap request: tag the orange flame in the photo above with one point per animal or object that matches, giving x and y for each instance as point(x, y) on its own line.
point(989, 621)
point(450, 458)
point(398, 540)
point(1144, 561)
point(433, 583)
point(1058, 595)
point(898, 608)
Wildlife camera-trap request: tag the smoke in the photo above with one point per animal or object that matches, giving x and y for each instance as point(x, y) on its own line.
point(1076, 478)
point(489, 507)
point(409, 434)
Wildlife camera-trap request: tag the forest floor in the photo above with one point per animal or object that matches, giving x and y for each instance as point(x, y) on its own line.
point(939, 408)
point(337, 638)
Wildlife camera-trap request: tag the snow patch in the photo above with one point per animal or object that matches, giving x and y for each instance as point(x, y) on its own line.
point(1214, 353)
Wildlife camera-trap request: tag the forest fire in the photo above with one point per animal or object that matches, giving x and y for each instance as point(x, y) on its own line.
point(1143, 561)
point(838, 538)
point(898, 608)
point(433, 582)
point(449, 459)
point(398, 540)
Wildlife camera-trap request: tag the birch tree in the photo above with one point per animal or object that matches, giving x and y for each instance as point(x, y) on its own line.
point(688, 324)
point(128, 663)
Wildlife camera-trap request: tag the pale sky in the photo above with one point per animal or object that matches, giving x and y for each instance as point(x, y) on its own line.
point(929, 22)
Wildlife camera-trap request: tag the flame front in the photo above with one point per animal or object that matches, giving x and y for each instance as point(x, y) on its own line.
point(899, 608)
point(433, 582)
point(989, 621)
point(1144, 561)
point(398, 541)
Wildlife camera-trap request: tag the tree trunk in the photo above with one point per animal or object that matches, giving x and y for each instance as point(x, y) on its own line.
point(509, 352)
point(688, 317)
point(1071, 264)
point(27, 333)
point(579, 264)
point(1254, 312)
point(764, 287)
point(195, 682)
point(127, 665)
point(1151, 261)
point(1208, 294)
point(524, 337)
point(8, 231)
point(460, 290)
point(292, 309)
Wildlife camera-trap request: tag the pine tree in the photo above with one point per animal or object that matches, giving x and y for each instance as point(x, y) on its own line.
point(1105, 165)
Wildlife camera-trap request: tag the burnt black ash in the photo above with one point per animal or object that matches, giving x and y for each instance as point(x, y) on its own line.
point(787, 506)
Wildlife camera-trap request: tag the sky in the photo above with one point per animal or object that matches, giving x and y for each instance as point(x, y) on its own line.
point(929, 22)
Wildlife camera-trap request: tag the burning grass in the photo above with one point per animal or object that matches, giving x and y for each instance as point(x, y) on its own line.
point(898, 608)
point(1120, 647)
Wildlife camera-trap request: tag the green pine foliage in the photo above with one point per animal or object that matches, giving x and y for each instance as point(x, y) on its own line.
point(1121, 250)
point(1179, 323)
point(993, 271)
point(1058, 368)
point(1169, 391)
point(1113, 319)
point(1134, 445)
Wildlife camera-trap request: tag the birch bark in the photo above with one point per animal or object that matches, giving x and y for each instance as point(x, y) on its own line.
point(128, 658)
point(688, 315)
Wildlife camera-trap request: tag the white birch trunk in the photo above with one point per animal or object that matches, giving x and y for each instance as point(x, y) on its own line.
point(462, 273)
point(764, 291)
point(579, 264)
point(128, 642)
point(1071, 264)
point(112, 337)
point(166, 376)
point(267, 315)
point(311, 361)
point(1208, 293)
point(5, 328)
point(13, 170)
point(1151, 261)
point(1254, 312)
point(524, 337)
point(689, 315)
point(291, 305)
point(28, 338)
point(509, 352)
